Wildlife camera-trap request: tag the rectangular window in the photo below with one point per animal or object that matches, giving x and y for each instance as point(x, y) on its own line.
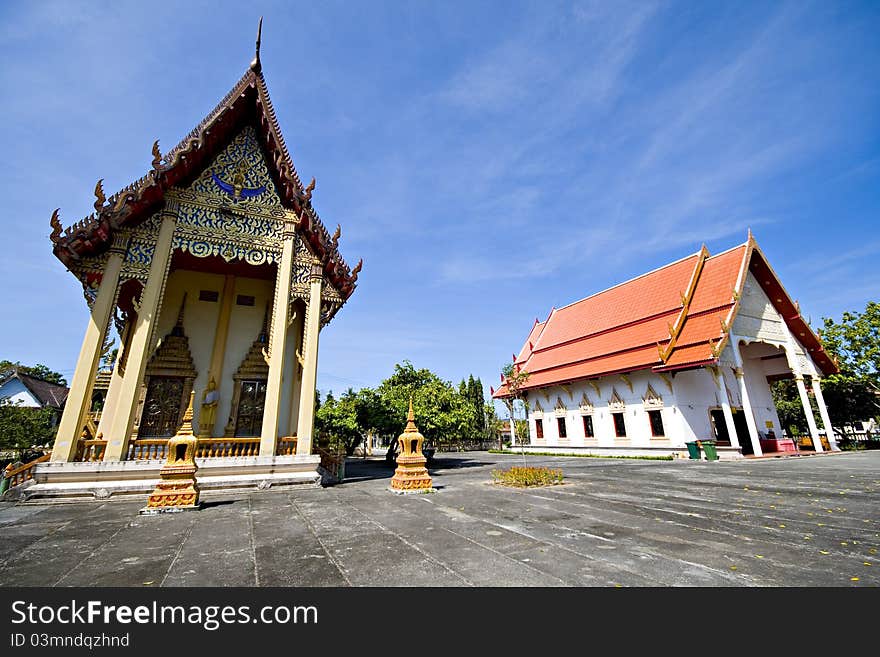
point(656, 420)
point(208, 295)
point(244, 300)
point(588, 426)
point(539, 428)
point(560, 423)
point(619, 425)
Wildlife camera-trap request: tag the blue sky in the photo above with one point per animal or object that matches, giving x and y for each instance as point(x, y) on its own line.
point(488, 160)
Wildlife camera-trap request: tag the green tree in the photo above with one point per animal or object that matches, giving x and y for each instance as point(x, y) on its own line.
point(853, 395)
point(442, 414)
point(39, 371)
point(338, 420)
point(855, 342)
point(23, 427)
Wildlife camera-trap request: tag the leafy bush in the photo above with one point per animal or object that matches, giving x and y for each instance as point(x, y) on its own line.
point(527, 476)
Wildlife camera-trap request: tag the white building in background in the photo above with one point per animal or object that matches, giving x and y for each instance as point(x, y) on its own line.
point(683, 353)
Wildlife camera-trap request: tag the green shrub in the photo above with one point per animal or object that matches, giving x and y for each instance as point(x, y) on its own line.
point(527, 476)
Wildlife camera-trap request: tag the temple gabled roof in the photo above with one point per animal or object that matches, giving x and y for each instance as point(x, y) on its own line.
point(676, 317)
point(246, 103)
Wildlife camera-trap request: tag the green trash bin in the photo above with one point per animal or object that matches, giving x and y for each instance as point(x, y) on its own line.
point(693, 451)
point(709, 448)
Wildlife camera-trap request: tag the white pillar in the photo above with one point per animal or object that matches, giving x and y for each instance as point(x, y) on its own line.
point(808, 411)
point(306, 423)
point(744, 394)
point(718, 374)
point(140, 345)
point(823, 412)
point(80, 395)
point(271, 407)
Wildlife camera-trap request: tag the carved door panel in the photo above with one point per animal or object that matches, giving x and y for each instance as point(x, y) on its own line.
point(250, 408)
point(161, 415)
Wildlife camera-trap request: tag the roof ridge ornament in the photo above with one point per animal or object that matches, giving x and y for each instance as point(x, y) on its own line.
point(55, 223)
point(100, 198)
point(256, 65)
point(157, 156)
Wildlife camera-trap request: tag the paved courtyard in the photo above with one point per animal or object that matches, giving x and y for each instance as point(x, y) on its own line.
point(807, 521)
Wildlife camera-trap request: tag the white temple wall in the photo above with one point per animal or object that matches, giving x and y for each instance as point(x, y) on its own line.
point(638, 427)
point(763, 407)
point(696, 394)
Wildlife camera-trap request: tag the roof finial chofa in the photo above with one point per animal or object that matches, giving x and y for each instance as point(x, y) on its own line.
point(256, 66)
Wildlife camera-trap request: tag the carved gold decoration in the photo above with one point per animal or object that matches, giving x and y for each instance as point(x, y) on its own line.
point(100, 199)
point(652, 399)
point(172, 359)
point(307, 194)
point(625, 379)
point(586, 404)
point(616, 402)
point(56, 226)
point(177, 489)
point(595, 386)
point(667, 380)
point(157, 156)
point(411, 474)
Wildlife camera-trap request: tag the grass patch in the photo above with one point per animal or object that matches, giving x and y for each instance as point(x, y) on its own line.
point(527, 477)
point(586, 456)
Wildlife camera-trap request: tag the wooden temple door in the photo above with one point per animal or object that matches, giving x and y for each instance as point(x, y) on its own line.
point(249, 422)
point(161, 415)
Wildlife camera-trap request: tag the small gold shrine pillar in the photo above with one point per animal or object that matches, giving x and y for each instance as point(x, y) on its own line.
point(411, 476)
point(177, 489)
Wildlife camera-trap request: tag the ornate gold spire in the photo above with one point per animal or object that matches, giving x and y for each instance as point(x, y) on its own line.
point(186, 428)
point(411, 419)
point(256, 66)
point(411, 476)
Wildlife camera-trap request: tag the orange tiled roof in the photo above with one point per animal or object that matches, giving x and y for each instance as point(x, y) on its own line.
point(674, 317)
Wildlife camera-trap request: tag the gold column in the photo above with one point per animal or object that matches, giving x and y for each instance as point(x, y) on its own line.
point(277, 343)
point(141, 343)
point(80, 396)
point(306, 424)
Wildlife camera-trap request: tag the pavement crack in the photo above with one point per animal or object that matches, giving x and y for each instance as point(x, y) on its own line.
point(250, 515)
point(415, 547)
point(314, 533)
point(91, 554)
point(186, 536)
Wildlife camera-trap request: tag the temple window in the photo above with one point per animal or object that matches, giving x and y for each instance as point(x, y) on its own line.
point(208, 295)
point(161, 416)
point(539, 428)
point(244, 300)
point(619, 425)
point(588, 426)
point(656, 420)
point(560, 423)
point(250, 408)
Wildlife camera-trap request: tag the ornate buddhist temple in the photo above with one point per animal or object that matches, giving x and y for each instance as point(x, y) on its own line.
point(218, 275)
point(680, 354)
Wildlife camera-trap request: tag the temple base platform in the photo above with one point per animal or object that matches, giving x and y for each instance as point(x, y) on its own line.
point(103, 480)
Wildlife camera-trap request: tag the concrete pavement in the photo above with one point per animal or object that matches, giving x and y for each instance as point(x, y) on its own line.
point(799, 521)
